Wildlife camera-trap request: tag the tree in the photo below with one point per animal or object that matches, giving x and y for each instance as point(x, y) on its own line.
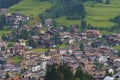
point(74, 10)
point(99, 65)
point(99, 1)
point(79, 73)
point(107, 2)
point(7, 76)
point(118, 53)
point(47, 52)
point(77, 79)
point(51, 73)
point(81, 46)
point(94, 45)
point(33, 43)
point(83, 24)
point(63, 72)
point(2, 21)
point(56, 38)
point(4, 37)
point(8, 3)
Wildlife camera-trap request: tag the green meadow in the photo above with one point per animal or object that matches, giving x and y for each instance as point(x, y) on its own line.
point(30, 7)
point(98, 14)
point(15, 59)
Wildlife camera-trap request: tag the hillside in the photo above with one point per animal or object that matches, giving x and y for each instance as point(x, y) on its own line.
point(100, 14)
point(31, 8)
point(97, 14)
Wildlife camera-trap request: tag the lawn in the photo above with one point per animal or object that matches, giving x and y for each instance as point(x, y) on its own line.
point(117, 48)
point(37, 50)
point(15, 59)
point(62, 20)
point(4, 32)
point(62, 46)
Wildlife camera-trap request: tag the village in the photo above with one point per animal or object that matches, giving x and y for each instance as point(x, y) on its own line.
point(45, 45)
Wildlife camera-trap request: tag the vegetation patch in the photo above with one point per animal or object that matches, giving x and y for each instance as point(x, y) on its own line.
point(37, 50)
point(98, 14)
point(15, 59)
point(117, 48)
point(30, 7)
point(4, 32)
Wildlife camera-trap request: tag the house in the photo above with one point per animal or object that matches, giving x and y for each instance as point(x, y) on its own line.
point(26, 27)
point(35, 38)
point(22, 42)
point(111, 59)
point(74, 47)
point(108, 78)
point(37, 26)
point(45, 36)
point(89, 66)
point(93, 34)
point(83, 36)
point(3, 11)
point(17, 47)
point(14, 20)
point(48, 22)
point(62, 51)
point(114, 39)
point(3, 45)
point(117, 62)
point(29, 55)
point(103, 59)
point(45, 41)
point(98, 74)
point(15, 78)
point(38, 65)
point(69, 50)
point(52, 30)
point(56, 58)
point(65, 36)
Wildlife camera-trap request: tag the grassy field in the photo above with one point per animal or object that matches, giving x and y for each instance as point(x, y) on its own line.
point(66, 22)
point(4, 32)
point(15, 59)
point(117, 48)
point(31, 8)
point(100, 14)
point(39, 50)
point(97, 14)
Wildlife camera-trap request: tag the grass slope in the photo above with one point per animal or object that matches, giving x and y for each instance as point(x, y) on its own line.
point(31, 8)
point(97, 14)
point(100, 14)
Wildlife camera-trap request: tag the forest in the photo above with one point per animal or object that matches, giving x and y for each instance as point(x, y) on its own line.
point(63, 72)
point(8, 3)
point(73, 10)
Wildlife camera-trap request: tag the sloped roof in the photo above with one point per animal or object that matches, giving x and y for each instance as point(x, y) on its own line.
point(108, 78)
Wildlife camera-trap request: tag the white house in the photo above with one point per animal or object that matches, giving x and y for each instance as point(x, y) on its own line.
point(108, 78)
point(103, 59)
